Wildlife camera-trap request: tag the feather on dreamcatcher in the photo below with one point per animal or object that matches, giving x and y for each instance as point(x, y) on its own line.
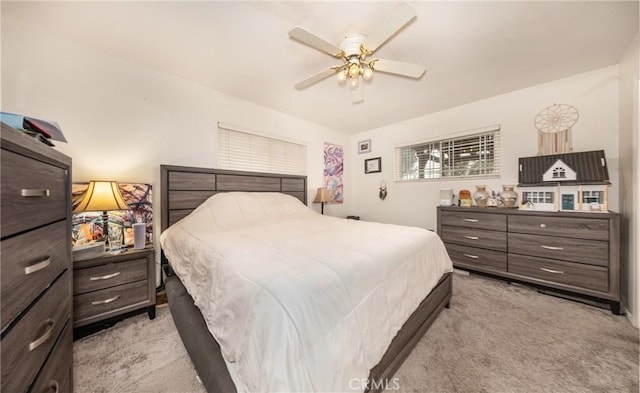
point(554, 128)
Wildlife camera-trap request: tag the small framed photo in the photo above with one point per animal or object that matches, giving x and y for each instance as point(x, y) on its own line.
point(364, 146)
point(373, 165)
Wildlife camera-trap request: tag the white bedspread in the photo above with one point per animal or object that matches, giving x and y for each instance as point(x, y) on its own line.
point(300, 302)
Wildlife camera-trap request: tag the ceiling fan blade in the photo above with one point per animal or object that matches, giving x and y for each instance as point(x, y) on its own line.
point(357, 94)
point(316, 78)
point(399, 68)
point(306, 37)
point(402, 14)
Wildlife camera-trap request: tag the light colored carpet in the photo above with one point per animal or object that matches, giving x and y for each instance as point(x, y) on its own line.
point(495, 338)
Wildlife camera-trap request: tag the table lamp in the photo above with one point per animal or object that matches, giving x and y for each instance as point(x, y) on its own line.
point(322, 196)
point(102, 196)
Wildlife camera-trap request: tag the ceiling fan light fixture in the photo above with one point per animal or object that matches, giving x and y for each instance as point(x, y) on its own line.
point(353, 83)
point(367, 74)
point(342, 76)
point(354, 70)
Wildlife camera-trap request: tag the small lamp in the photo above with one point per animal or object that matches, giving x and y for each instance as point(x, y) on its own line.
point(322, 196)
point(102, 196)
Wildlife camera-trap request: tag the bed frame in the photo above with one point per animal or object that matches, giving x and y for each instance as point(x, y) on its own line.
point(182, 190)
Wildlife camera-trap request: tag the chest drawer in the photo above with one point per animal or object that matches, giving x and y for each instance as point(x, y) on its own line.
point(38, 192)
point(572, 274)
point(56, 374)
point(27, 344)
point(472, 257)
point(494, 222)
point(30, 262)
point(591, 252)
point(100, 304)
point(476, 238)
point(581, 228)
point(109, 275)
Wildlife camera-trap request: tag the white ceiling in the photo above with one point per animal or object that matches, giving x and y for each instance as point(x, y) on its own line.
point(472, 50)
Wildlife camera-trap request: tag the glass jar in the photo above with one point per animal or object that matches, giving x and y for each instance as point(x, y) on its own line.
point(481, 196)
point(509, 196)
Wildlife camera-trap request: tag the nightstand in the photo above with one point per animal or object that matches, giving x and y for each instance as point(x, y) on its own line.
point(112, 287)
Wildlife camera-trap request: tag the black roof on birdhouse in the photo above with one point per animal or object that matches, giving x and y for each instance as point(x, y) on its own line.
point(590, 167)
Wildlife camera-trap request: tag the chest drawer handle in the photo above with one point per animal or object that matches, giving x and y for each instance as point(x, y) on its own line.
point(49, 324)
point(472, 237)
point(34, 192)
point(470, 219)
point(105, 301)
point(552, 248)
point(37, 266)
point(105, 277)
point(543, 225)
point(544, 269)
point(471, 256)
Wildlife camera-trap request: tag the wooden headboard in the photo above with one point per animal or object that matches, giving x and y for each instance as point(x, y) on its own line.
point(185, 188)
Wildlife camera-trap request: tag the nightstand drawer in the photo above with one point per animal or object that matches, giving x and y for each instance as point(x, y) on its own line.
point(493, 240)
point(574, 274)
point(109, 275)
point(27, 344)
point(39, 193)
point(464, 256)
point(28, 270)
point(593, 252)
point(494, 222)
point(98, 305)
point(56, 375)
point(582, 228)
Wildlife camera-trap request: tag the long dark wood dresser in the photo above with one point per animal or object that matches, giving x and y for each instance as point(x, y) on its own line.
point(35, 263)
point(570, 252)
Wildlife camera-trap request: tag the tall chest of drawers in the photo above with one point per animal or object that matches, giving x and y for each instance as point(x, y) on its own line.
point(36, 275)
point(573, 253)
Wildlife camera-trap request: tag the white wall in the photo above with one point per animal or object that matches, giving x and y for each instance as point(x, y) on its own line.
point(630, 176)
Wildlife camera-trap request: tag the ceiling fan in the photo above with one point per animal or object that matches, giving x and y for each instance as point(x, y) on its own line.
point(355, 49)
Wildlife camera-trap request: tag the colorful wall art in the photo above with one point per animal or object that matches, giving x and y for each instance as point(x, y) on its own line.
point(333, 170)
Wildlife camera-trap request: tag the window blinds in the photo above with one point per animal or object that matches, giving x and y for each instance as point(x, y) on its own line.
point(476, 154)
point(249, 151)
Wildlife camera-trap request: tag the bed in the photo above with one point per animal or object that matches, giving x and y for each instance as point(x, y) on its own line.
point(311, 313)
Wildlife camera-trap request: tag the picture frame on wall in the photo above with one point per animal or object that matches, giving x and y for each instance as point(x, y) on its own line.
point(373, 165)
point(364, 146)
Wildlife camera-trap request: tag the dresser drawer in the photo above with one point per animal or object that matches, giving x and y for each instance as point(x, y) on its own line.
point(56, 374)
point(493, 240)
point(592, 252)
point(99, 305)
point(30, 262)
point(573, 274)
point(494, 222)
point(32, 189)
point(26, 346)
point(472, 257)
point(581, 228)
point(109, 275)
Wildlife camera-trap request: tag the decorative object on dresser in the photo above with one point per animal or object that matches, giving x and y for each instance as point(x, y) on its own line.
point(481, 196)
point(508, 197)
point(575, 254)
point(322, 196)
point(464, 198)
point(566, 182)
point(36, 346)
point(111, 287)
point(446, 197)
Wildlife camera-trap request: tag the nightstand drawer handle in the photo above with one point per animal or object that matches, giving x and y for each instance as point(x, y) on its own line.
point(472, 237)
point(45, 336)
point(105, 277)
point(31, 193)
point(551, 271)
point(470, 219)
point(552, 248)
point(111, 299)
point(471, 256)
point(54, 386)
point(37, 266)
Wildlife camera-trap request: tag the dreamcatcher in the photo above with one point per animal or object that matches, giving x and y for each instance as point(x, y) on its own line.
point(554, 128)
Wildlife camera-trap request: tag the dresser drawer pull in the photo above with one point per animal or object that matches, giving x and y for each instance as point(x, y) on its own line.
point(105, 301)
point(552, 248)
point(105, 277)
point(54, 386)
point(34, 192)
point(543, 225)
point(544, 269)
point(471, 219)
point(472, 237)
point(37, 266)
point(50, 323)
point(471, 256)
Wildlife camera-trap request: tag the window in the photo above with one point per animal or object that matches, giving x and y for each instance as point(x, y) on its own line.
point(473, 155)
point(559, 173)
point(537, 196)
point(593, 196)
point(249, 151)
